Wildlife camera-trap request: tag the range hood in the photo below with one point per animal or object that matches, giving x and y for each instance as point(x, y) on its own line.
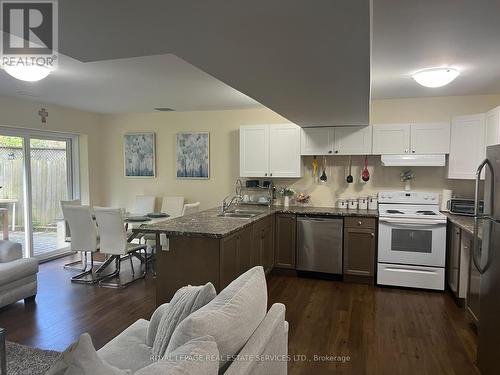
point(404, 160)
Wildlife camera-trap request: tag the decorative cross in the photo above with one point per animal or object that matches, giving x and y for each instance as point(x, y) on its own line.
point(43, 115)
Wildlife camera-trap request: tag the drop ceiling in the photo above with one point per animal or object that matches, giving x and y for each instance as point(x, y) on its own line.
point(308, 61)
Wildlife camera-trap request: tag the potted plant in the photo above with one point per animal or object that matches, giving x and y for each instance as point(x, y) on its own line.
point(286, 192)
point(406, 177)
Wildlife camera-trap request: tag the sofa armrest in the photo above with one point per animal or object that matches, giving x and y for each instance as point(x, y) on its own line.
point(10, 251)
point(266, 352)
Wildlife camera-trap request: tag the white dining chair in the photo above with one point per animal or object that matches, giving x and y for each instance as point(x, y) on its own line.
point(173, 206)
point(78, 264)
point(191, 208)
point(84, 238)
point(113, 242)
point(144, 204)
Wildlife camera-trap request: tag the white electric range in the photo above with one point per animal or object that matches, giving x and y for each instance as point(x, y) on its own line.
point(412, 240)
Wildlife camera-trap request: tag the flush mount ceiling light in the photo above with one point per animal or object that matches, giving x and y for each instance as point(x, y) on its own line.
point(30, 73)
point(435, 77)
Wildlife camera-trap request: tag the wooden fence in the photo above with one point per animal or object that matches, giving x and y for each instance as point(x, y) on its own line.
point(48, 179)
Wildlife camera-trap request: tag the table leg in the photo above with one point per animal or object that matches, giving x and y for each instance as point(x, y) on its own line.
point(3, 354)
point(5, 224)
point(14, 216)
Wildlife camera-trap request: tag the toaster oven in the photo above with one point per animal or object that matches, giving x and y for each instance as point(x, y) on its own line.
point(464, 206)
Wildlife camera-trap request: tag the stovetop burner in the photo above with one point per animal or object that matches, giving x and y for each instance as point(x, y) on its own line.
point(425, 212)
point(395, 212)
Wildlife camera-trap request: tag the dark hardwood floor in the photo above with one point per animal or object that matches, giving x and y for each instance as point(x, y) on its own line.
point(379, 330)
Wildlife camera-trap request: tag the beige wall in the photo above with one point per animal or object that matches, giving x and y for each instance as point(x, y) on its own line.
point(224, 164)
point(24, 114)
point(224, 154)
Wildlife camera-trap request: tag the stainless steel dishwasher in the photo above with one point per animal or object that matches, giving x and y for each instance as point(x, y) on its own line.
point(319, 244)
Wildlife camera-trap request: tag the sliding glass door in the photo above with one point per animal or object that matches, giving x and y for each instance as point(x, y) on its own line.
point(39, 176)
point(12, 187)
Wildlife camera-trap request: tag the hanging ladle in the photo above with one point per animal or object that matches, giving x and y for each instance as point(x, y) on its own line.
point(349, 178)
point(323, 177)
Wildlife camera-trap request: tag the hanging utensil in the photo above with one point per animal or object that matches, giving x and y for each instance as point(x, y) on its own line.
point(323, 177)
point(365, 176)
point(349, 178)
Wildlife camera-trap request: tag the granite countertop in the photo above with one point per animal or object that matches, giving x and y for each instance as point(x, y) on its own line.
point(208, 224)
point(465, 223)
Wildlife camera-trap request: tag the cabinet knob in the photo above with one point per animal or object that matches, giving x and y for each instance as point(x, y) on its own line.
point(336, 151)
point(413, 151)
point(406, 151)
point(372, 234)
point(360, 222)
point(265, 174)
point(270, 174)
point(330, 151)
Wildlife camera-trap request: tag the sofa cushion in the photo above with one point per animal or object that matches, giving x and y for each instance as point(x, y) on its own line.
point(17, 269)
point(10, 251)
point(198, 356)
point(80, 358)
point(184, 302)
point(128, 350)
point(230, 318)
point(154, 323)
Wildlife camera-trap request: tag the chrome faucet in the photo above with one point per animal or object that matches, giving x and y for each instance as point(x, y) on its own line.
point(226, 205)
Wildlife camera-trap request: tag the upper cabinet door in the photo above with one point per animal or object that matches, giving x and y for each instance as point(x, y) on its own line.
point(317, 141)
point(493, 127)
point(254, 151)
point(467, 148)
point(284, 151)
point(391, 139)
point(353, 140)
point(430, 138)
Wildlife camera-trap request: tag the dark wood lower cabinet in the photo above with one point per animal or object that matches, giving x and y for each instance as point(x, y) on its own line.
point(198, 260)
point(359, 250)
point(285, 241)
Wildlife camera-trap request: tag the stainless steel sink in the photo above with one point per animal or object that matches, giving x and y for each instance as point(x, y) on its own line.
point(238, 215)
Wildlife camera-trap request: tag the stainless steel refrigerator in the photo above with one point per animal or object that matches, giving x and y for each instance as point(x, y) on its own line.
point(486, 264)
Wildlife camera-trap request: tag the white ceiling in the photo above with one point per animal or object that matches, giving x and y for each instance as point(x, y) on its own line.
point(129, 85)
point(305, 62)
point(409, 35)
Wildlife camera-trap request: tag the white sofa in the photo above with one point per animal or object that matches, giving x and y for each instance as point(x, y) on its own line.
point(18, 276)
point(264, 352)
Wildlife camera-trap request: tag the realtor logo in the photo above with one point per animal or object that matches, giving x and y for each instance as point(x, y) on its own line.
point(29, 33)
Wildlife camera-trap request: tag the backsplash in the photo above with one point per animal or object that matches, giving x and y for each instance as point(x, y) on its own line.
point(381, 178)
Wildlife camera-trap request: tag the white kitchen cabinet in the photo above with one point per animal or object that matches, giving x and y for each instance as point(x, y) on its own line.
point(317, 141)
point(391, 139)
point(342, 140)
point(353, 140)
point(467, 146)
point(493, 127)
point(254, 151)
point(423, 139)
point(270, 151)
point(430, 138)
point(284, 151)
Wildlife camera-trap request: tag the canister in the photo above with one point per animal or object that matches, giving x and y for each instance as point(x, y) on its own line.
point(353, 203)
point(363, 203)
point(342, 203)
point(373, 202)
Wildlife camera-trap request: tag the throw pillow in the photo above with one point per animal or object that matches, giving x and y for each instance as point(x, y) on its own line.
point(154, 324)
point(230, 318)
point(184, 302)
point(80, 358)
point(198, 356)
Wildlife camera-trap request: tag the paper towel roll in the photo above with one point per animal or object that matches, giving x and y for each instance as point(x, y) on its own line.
point(445, 197)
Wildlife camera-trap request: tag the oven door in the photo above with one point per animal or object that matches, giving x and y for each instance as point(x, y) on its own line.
point(412, 241)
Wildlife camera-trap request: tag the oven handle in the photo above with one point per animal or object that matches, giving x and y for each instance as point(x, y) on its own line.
point(418, 222)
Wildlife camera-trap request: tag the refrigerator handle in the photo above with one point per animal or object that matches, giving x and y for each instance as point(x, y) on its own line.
point(475, 242)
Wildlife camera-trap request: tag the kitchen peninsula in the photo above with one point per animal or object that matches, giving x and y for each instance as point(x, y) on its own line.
point(208, 247)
